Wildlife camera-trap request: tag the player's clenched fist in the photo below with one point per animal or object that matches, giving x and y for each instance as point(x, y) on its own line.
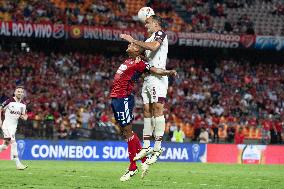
point(127, 38)
point(24, 117)
point(173, 73)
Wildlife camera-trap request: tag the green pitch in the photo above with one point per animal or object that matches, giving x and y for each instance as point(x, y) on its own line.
point(70, 174)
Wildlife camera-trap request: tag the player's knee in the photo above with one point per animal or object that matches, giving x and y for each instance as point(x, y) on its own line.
point(147, 111)
point(147, 114)
point(158, 109)
point(127, 132)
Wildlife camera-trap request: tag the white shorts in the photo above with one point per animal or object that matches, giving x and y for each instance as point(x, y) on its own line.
point(9, 131)
point(154, 91)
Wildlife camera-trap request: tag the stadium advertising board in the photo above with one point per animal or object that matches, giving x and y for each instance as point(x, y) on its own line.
point(269, 42)
point(103, 151)
point(245, 154)
point(104, 33)
point(18, 29)
point(209, 40)
point(60, 31)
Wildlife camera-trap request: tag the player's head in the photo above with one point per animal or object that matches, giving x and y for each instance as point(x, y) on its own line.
point(154, 23)
point(19, 92)
point(134, 50)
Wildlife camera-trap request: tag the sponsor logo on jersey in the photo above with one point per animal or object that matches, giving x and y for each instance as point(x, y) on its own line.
point(15, 112)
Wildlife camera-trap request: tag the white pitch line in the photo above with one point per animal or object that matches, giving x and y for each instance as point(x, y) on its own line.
point(84, 176)
point(68, 175)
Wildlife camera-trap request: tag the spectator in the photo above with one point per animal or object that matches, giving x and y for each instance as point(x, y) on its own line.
point(178, 135)
point(204, 136)
point(215, 128)
point(266, 125)
point(230, 134)
point(239, 136)
point(73, 132)
point(86, 116)
point(279, 127)
point(62, 132)
point(49, 126)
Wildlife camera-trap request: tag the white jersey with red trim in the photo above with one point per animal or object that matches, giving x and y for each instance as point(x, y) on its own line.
point(13, 111)
point(158, 58)
point(155, 87)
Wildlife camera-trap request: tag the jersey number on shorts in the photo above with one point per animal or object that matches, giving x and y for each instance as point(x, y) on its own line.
point(120, 116)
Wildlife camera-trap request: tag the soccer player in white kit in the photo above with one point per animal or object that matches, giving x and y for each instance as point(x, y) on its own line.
point(14, 109)
point(154, 88)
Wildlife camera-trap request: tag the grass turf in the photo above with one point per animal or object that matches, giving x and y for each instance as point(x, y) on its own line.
point(71, 174)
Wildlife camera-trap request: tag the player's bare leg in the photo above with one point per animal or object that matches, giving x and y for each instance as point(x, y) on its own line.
point(158, 132)
point(147, 133)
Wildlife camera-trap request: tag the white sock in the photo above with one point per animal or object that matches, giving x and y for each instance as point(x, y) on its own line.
point(157, 145)
point(14, 152)
point(147, 131)
point(146, 143)
point(17, 160)
point(160, 125)
point(153, 123)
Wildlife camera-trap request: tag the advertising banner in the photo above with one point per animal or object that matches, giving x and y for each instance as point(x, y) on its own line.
point(245, 154)
point(18, 29)
point(103, 33)
point(103, 151)
point(173, 152)
point(59, 31)
point(269, 43)
point(209, 40)
point(215, 40)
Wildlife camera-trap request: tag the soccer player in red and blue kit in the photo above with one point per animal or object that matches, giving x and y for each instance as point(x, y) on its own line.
point(122, 102)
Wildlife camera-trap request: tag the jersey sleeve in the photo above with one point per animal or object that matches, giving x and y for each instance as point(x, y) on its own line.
point(143, 67)
point(160, 36)
point(5, 103)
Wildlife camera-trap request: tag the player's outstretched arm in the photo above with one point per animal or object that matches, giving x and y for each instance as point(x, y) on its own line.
point(163, 72)
point(152, 46)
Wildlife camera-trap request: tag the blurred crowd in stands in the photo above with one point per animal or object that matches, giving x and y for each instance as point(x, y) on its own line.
point(219, 16)
point(70, 92)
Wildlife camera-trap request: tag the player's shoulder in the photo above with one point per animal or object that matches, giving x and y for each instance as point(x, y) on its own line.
point(160, 33)
point(128, 61)
point(24, 102)
point(7, 101)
